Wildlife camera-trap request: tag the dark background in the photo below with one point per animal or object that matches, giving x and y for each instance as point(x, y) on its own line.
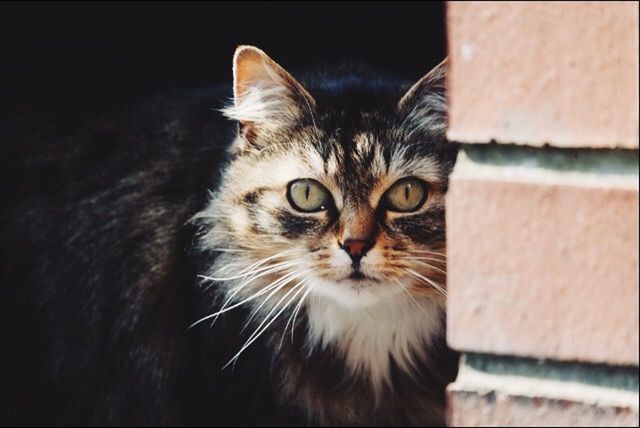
point(77, 54)
point(63, 62)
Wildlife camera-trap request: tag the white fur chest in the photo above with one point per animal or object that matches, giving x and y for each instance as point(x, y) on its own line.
point(398, 327)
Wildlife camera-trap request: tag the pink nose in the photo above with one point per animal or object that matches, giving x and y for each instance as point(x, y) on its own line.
point(356, 248)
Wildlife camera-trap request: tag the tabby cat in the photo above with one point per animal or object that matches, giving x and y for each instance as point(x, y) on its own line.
point(285, 267)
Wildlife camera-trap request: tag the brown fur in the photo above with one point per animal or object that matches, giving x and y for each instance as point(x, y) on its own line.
point(287, 134)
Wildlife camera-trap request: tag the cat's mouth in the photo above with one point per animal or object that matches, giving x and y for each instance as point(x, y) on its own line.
point(356, 275)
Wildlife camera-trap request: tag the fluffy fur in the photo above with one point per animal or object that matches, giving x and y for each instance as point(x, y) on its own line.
point(145, 248)
point(283, 263)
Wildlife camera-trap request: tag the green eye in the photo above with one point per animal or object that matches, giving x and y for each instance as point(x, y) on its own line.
point(407, 194)
point(308, 195)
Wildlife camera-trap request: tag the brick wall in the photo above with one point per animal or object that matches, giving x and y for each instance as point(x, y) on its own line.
point(542, 213)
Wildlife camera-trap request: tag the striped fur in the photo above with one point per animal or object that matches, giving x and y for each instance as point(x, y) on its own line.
point(383, 332)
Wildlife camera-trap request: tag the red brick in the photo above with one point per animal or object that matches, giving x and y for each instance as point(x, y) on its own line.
point(542, 268)
point(564, 73)
point(516, 392)
point(471, 408)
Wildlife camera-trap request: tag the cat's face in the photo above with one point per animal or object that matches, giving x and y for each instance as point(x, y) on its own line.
point(350, 203)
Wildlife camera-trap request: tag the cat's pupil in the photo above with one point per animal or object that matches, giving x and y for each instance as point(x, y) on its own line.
point(306, 192)
point(406, 191)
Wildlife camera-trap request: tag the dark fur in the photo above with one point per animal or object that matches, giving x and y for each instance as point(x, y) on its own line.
point(98, 269)
point(319, 380)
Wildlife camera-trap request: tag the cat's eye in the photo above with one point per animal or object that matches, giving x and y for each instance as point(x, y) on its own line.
point(406, 195)
point(308, 195)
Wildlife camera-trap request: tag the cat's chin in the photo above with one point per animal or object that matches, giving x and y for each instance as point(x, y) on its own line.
point(358, 291)
point(358, 283)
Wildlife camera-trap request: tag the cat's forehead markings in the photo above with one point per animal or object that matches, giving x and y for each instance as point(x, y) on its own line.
point(272, 172)
point(378, 165)
point(403, 163)
point(314, 161)
point(324, 171)
point(367, 150)
point(362, 144)
point(332, 165)
point(285, 168)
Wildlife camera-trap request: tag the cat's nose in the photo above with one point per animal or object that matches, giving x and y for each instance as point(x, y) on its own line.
point(357, 248)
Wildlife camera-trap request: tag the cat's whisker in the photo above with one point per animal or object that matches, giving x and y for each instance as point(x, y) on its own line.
point(404, 288)
point(272, 288)
point(224, 308)
point(228, 266)
point(228, 250)
point(236, 290)
point(266, 318)
point(266, 299)
point(432, 283)
point(422, 258)
point(253, 265)
point(257, 334)
point(244, 274)
point(266, 259)
point(293, 316)
point(244, 284)
point(291, 277)
point(266, 270)
point(428, 252)
point(297, 309)
point(430, 266)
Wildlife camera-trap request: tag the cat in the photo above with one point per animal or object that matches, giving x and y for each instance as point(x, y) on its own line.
point(280, 261)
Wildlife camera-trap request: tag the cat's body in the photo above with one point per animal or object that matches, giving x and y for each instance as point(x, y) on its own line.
point(109, 233)
point(95, 263)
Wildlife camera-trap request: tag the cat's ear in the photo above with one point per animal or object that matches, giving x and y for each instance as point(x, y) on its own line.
point(424, 105)
point(265, 95)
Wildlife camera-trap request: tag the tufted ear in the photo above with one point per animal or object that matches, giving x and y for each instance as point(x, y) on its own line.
point(265, 95)
point(425, 103)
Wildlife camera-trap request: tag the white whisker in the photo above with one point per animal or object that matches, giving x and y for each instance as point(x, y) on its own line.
point(432, 283)
point(253, 265)
point(297, 309)
point(435, 253)
point(293, 316)
point(423, 258)
point(291, 277)
point(266, 318)
point(246, 282)
point(228, 266)
point(248, 268)
point(259, 273)
point(266, 259)
point(244, 274)
point(275, 286)
point(228, 250)
point(430, 266)
point(404, 288)
point(236, 290)
point(256, 334)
